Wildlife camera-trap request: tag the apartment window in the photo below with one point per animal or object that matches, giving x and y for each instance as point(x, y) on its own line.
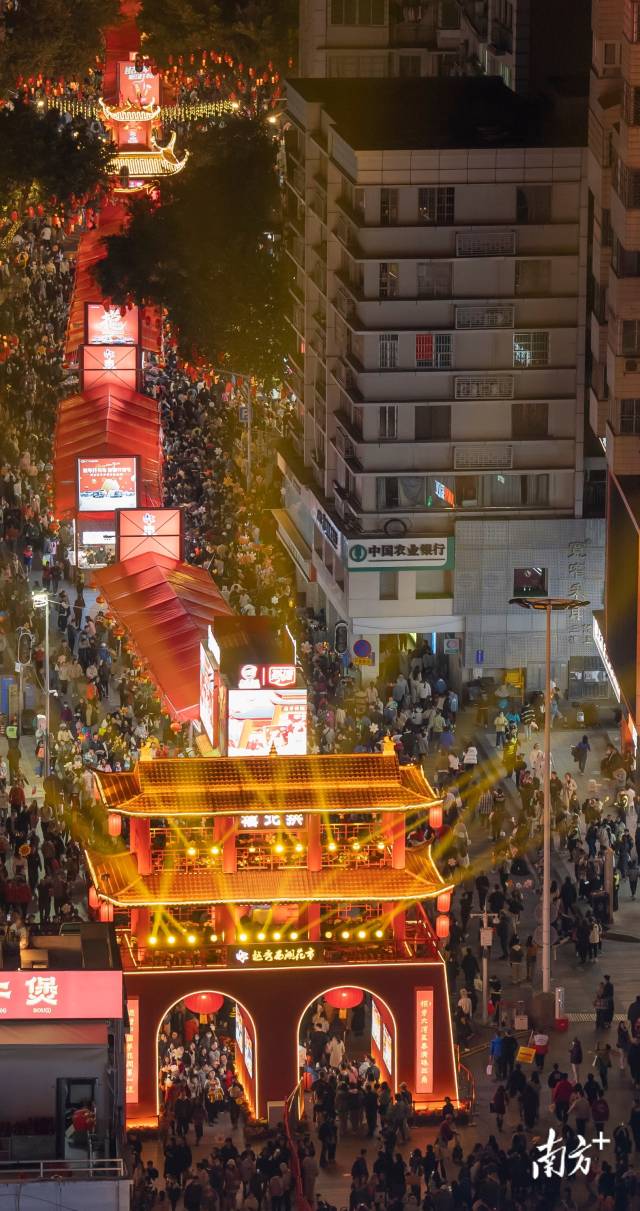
point(436, 205)
point(401, 492)
point(631, 20)
point(357, 12)
point(388, 585)
point(388, 207)
point(471, 316)
point(432, 423)
point(631, 338)
point(388, 282)
point(530, 420)
point(631, 105)
point(626, 182)
point(409, 65)
point(530, 582)
point(388, 350)
point(359, 202)
point(434, 280)
point(605, 228)
point(530, 349)
point(630, 415)
point(533, 278)
point(611, 54)
point(533, 204)
point(448, 15)
point(625, 264)
point(387, 422)
point(433, 350)
point(507, 491)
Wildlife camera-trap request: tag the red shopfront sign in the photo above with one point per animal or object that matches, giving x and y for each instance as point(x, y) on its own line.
point(424, 1040)
point(61, 995)
point(132, 1051)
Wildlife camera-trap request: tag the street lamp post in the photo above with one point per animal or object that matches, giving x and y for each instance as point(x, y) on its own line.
point(549, 605)
point(41, 602)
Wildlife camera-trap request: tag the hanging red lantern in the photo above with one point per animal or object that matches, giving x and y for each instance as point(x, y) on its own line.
point(443, 925)
point(114, 824)
point(106, 913)
point(435, 817)
point(204, 1002)
point(444, 901)
point(344, 998)
point(94, 898)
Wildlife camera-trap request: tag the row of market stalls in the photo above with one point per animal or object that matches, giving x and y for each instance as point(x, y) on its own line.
point(108, 440)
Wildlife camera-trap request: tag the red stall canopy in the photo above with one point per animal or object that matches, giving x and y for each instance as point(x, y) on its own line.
point(166, 607)
point(106, 422)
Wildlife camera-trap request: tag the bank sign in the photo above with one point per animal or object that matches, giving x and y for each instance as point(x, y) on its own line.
point(419, 554)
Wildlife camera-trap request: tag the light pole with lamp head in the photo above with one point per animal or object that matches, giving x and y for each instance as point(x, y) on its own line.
point(548, 605)
point(41, 601)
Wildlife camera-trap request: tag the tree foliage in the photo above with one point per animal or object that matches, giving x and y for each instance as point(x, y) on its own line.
point(261, 29)
point(209, 253)
point(42, 157)
point(54, 38)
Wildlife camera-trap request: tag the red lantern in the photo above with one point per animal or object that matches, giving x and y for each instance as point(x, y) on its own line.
point(435, 817)
point(442, 926)
point(444, 901)
point(114, 824)
point(344, 998)
point(94, 898)
point(106, 913)
point(204, 1002)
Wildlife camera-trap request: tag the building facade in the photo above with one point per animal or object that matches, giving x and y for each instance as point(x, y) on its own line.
point(437, 351)
point(614, 322)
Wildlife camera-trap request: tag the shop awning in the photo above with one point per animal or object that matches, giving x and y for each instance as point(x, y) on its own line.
point(106, 422)
point(86, 290)
point(166, 607)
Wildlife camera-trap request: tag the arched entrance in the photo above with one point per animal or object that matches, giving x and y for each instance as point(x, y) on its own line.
point(225, 1037)
point(350, 1023)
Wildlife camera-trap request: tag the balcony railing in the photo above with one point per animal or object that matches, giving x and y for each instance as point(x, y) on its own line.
point(62, 1170)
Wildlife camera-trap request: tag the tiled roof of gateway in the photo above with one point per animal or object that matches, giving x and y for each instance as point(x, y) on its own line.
point(117, 878)
point(228, 785)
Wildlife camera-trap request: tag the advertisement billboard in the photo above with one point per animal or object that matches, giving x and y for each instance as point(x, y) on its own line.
point(387, 1049)
point(110, 327)
point(376, 1025)
point(424, 1040)
point(132, 1051)
point(262, 719)
point(103, 365)
point(107, 483)
point(207, 696)
point(34, 996)
point(137, 87)
point(144, 530)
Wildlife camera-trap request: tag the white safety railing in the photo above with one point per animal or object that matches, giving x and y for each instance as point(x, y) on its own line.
point(63, 1170)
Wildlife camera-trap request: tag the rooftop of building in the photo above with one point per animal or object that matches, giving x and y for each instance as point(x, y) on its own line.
point(117, 879)
point(359, 782)
point(441, 113)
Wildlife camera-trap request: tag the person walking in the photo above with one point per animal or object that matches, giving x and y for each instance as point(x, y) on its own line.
point(575, 1058)
point(580, 753)
point(498, 1105)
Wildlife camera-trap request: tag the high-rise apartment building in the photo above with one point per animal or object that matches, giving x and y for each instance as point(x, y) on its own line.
point(437, 248)
point(614, 325)
point(509, 38)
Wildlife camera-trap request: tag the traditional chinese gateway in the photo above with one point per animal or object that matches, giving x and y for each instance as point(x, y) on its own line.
point(241, 884)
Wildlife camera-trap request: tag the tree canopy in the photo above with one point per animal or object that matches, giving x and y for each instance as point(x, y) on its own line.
point(210, 253)
point(262, 29)
point(42, 157)
point(54, 38)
